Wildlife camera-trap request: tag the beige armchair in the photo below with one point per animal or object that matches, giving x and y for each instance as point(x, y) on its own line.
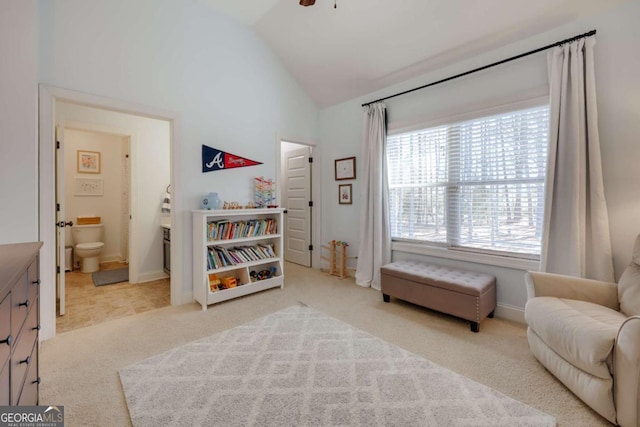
point(587, 334)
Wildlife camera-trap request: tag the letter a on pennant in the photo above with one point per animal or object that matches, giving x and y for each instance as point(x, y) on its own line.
point(215, 160)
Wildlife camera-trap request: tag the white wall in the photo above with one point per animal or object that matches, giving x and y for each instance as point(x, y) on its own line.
point(150, 168)
point(107, 206)
point(227, 87)
point(618, 90)
point(18, 122)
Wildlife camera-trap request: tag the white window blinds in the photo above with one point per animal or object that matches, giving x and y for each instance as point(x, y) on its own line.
point(476, 185)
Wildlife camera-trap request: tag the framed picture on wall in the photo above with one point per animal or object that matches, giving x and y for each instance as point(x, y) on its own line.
point(89, 186)
point(345, 168)
point(344, 194)
point(88, 161)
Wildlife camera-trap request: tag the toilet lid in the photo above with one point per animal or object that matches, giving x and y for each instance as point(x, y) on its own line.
point(92, 245)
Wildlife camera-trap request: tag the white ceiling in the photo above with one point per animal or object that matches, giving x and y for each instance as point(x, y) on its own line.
point(365, 45)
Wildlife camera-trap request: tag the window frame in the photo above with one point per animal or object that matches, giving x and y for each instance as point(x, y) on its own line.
point(443, 250)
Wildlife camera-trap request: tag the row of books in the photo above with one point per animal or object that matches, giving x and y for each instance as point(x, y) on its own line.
point(225, 230)
point(218, 257)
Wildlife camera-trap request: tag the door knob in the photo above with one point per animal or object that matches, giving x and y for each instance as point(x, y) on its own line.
point(62, 224)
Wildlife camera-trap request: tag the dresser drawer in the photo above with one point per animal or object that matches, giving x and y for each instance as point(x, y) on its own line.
point(19, 304)
point(4, 384)
point(22, 358)
point(19, 323)
point(5, 329)
point(31, 327)
point(29, 394)
point(33, 282)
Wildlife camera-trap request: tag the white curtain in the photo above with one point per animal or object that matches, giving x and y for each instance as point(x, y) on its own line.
point(375, 241)
point(576, 238)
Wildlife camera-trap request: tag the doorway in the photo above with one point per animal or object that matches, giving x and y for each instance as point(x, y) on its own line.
point(140, 249)
point(86, 299)
point(296, 162)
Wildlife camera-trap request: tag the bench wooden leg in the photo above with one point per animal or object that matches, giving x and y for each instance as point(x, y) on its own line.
point(386, 298)
point(475, 326)
point(490, 315)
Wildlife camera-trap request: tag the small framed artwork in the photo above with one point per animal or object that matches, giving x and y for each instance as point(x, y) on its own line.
point(345, 168)
point(89, 187)
point(344, 194)
point(88, 161)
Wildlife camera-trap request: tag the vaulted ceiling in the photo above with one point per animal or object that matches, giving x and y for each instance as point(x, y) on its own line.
point(361, 46)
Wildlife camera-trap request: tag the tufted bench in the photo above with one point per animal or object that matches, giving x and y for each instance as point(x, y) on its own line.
point(461, 293)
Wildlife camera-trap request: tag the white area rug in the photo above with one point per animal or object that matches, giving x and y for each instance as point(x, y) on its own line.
point(300, 367)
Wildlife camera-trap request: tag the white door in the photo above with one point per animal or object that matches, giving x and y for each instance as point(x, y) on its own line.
point(61, 223)
point(297, 233)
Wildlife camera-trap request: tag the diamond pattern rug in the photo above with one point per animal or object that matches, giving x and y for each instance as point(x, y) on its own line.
point(300, 367)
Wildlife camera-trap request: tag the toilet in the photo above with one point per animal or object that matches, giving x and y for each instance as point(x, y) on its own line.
point(88, 246)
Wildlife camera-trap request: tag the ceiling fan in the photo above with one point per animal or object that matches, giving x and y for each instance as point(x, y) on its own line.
point(312, 2)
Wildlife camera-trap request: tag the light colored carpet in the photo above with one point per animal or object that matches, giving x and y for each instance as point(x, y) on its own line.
point(79, 369)
point(108, 277)
point(299, 367)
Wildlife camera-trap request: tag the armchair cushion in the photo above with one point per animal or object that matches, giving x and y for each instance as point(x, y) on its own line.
point(582, 333)
point(629, 284)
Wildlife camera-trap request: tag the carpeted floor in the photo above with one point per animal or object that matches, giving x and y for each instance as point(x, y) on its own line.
point(79, 369)
point(300, 367)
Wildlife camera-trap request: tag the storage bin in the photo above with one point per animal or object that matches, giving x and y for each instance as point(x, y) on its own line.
point(68, 258)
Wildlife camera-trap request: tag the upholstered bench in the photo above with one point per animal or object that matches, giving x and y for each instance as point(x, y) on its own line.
point(461, 293)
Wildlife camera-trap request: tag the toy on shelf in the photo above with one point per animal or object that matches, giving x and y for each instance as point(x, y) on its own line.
point(229, 282)
point(210, 201)
point(338, 258)
point(265, 192)
point(221, 283)
point(214, 283)
point(231, 205)
point(255, 276)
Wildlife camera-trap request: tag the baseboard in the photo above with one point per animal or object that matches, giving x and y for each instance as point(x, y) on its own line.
point(149, 277)
point(510, 312)
point(111, 258)
point(187, 297)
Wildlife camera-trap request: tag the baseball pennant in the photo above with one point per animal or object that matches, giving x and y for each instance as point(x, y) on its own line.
point(215, 160)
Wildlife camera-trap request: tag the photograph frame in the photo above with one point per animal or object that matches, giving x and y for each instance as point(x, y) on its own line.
point(88, 186)
point(345, 168)
point(88, 161)
point(345, 192)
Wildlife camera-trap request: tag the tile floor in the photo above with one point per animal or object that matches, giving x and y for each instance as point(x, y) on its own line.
point(87, 304)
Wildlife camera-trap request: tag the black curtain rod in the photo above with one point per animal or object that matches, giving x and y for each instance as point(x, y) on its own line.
point(569, 40)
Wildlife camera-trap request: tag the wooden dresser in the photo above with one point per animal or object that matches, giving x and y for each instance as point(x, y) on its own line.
point(19, 323)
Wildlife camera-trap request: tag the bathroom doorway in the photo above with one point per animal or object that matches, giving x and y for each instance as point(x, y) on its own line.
point(126, 282)
point(139, 169)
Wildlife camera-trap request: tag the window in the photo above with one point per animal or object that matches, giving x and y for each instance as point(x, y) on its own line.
point(473, 185)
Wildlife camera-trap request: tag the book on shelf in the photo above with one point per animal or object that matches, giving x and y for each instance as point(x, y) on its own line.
point(219, 257)
point(213, 228)
point(226, 230)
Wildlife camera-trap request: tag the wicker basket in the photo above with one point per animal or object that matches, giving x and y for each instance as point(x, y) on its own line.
point(86, 220)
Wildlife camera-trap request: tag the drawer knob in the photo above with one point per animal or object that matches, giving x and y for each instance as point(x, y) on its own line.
point(36, 328)
point(26, 304)
point(7, 340)
point(36, 282)
point(36, 381)
point(27, 360)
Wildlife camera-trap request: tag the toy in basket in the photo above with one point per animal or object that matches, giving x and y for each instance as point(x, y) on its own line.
point(338, 258)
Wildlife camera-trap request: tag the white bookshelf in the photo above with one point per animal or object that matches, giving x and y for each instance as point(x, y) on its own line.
point(240, 265)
